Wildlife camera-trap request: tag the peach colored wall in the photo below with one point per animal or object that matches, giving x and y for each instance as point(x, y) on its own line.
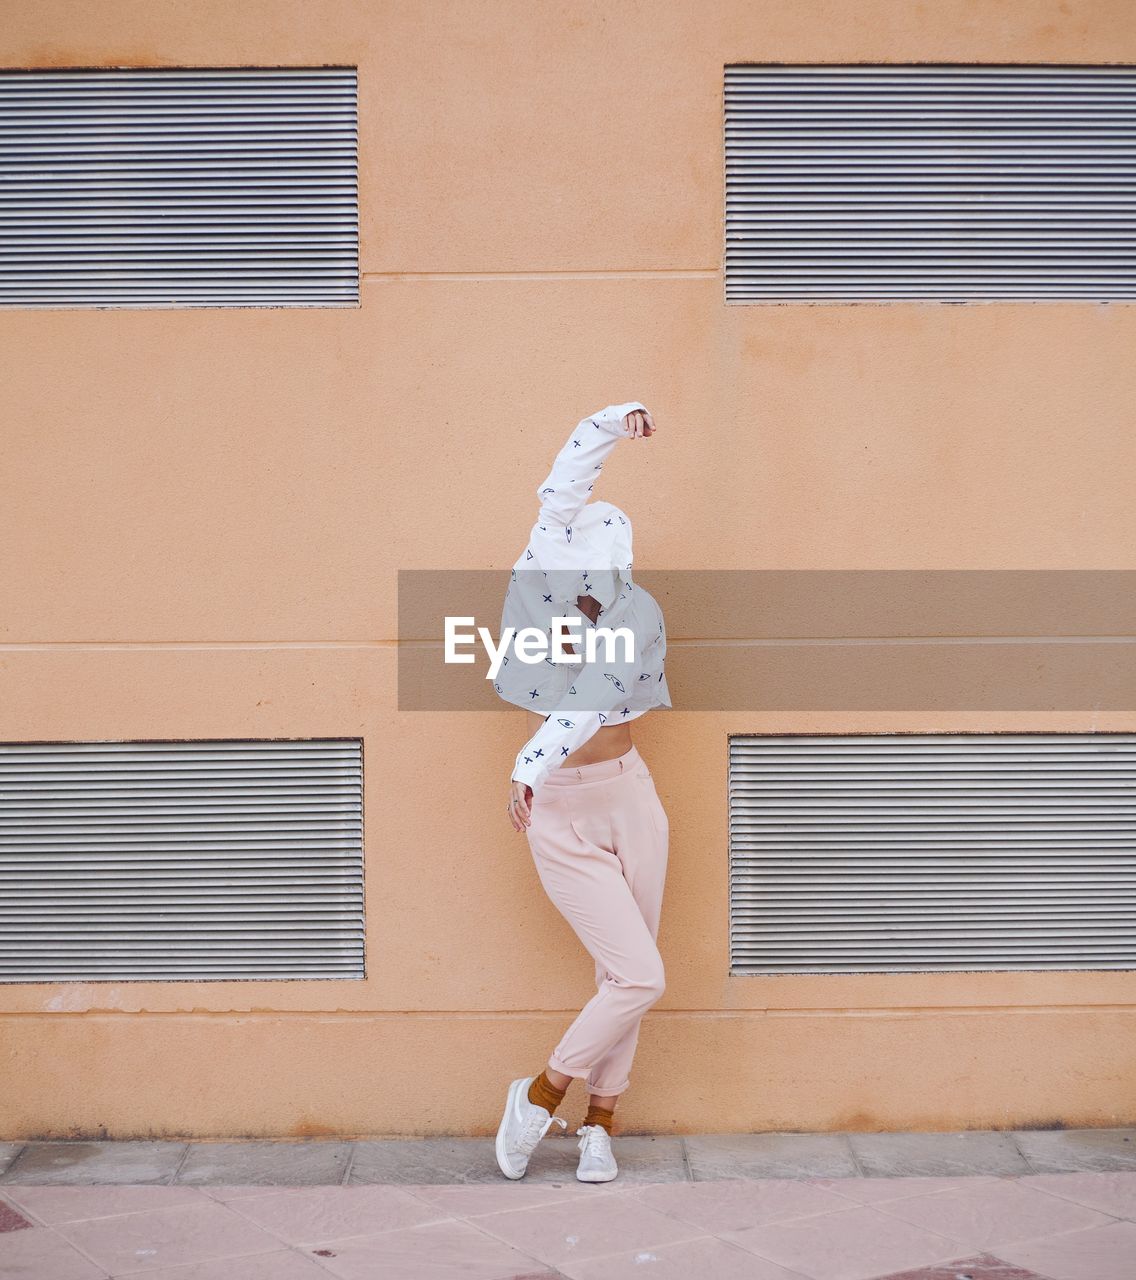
point(203, 512)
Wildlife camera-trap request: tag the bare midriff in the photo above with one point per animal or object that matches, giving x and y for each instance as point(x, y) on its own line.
point(605, 744)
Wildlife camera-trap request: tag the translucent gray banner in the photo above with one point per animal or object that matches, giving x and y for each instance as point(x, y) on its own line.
point(815, 640)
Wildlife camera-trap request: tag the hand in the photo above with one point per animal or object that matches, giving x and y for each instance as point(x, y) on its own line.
point(639, 423)
point(520, 797)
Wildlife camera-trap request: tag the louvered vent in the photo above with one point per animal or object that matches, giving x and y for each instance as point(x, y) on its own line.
point(179, 188)
point(181, 860)
point(945, 183)
point(932, 851)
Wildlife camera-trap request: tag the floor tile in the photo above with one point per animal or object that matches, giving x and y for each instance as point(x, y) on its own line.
point(574, 1229)
point(993, 1213)
point(474, 1199)
point(85, 1163)
point(713, 1259)
point(734, 1204)
point(167, 1237)
point(52, 1205)
point(316, 1214)
point(983, 1266)
point(770, 1155)
point(11, 1219)
point(278, 1211)
point(542, 1274)
point(1111, 1193)
point(448, 1160)
point(878, 1190)
point(283, 1265)
point(224, 1192)
point(40, 1254)
point(848, 1244)
point(278, 1164)
point(891, 1155)
point(436, 1251)
point(1073, 1149)
point(472, 1160)
point(1101, 1253)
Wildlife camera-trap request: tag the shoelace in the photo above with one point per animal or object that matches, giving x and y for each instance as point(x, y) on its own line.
point(594, 1140)
point(535, 1129)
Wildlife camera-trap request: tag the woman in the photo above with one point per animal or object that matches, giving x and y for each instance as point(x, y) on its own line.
point(579, 789)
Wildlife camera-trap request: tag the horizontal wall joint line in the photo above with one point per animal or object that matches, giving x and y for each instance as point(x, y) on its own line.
point(474, 1015)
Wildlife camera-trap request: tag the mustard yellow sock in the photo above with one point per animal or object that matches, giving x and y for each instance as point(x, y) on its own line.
point(545, 1094)
point(600, 1115)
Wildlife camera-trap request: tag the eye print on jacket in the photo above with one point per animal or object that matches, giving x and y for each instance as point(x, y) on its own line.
point(618, 684)
point(568, 724)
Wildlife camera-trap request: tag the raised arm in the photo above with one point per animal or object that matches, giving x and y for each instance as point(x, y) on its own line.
point(598, 693)
point(577, 466)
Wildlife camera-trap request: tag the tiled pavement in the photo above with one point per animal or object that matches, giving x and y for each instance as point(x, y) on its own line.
point(1056, 1205)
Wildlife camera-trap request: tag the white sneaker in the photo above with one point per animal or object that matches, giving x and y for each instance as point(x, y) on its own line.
point(522, 1127)
point(597, 1164)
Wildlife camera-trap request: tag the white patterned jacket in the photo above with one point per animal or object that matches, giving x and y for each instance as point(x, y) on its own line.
point(580, 547)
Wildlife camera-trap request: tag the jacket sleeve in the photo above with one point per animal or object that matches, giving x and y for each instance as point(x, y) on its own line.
point(577, 466)
point(597, 696)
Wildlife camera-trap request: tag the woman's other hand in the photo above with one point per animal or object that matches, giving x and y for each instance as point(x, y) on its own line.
point(639, 423)
point(520, 798)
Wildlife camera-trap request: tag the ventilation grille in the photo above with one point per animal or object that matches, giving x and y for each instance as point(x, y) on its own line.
point(181, 860)
point(179, 188)
point(948, 183)
point(928, 851)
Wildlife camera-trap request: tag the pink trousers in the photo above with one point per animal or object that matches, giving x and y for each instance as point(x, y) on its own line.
point(599, 838)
